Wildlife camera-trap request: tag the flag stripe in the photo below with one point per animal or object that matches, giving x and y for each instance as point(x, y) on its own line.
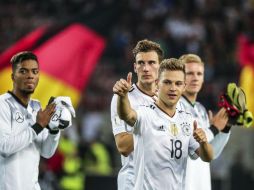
point(71, 55)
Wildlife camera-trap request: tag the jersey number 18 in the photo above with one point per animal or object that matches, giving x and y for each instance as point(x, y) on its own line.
point(176, 148)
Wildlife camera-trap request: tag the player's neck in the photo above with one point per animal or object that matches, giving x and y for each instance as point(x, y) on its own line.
point(148, 89)
point(168, 109)
point(24, 98)
point(191, 97)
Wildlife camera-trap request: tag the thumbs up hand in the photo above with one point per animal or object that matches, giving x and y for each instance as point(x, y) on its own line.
point(123, 86)
point(199, 134)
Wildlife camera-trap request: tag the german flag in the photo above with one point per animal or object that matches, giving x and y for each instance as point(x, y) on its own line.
point(246, 60)
point(67, 57)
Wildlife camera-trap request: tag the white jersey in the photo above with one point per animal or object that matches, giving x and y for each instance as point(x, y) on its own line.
point(161, 148)
point(136, 98)
point(22, 144)
point(197, 168)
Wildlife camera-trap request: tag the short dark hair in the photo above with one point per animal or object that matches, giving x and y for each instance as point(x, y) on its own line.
point(147, 46)
point(22, 56)
point(171, 64)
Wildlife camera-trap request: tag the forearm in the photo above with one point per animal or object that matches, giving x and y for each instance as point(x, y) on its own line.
point(124, 143)
point(125, 111)
point(49, 144)
point(206, 152)
point(12, 143)
point(219, 142)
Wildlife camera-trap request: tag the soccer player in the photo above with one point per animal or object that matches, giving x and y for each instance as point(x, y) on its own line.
point(148, 56)
point(23, 133)
point(163, 135)
point(194, 68)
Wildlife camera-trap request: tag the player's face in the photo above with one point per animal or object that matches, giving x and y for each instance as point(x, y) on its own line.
point(26, 77)
point(146, 67)
point(194, 77)
point(171, 85)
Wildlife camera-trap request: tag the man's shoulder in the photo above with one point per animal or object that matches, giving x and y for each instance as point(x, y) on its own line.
point(4, 97)
point(149, 108)
point(35, 104)
point(199, 105)
point(183, 113)
point(184, 104)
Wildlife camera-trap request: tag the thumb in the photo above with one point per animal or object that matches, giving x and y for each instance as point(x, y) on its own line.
point(195, 125)
point(129, 78)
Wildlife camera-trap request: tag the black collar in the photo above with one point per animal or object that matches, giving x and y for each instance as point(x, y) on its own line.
point(17, 99)
point(192, 104)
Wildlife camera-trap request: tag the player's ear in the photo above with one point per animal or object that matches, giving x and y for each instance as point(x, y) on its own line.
point(157, 84)
point(135, 67)
point(184, 86)
point(12, 76)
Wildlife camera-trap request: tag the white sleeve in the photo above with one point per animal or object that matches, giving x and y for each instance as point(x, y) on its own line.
point(193, 146)
point(49, 143)
point(118, 125)
point(11, 141)
point(219, 142)
point(209, 134)
point(140, 119)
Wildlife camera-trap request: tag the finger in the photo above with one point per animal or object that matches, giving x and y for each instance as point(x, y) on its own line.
point(210, 115)
point(221, 111)
point(120, 85)
point(123, 83)
point(155, 98)
point(116, 90)
point(129, 78)
point(195, 125)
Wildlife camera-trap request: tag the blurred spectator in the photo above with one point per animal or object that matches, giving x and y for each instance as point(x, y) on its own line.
point(208, 28)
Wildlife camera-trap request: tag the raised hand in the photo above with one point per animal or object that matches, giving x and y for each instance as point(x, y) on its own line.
point(123, 86)
point(220, 119)
point(199, 134)
point(44, 116)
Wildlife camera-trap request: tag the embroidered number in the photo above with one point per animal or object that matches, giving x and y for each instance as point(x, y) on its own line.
point(176, 148)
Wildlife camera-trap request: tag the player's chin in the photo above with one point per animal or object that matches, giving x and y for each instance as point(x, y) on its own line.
point(148, 81)
point(28, 91)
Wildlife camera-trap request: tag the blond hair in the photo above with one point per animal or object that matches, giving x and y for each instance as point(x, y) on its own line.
point(191, 58)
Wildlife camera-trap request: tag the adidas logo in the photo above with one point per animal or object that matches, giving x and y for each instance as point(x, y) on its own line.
point(161, 128)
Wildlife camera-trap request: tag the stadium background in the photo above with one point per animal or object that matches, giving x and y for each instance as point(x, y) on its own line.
point(96, 38)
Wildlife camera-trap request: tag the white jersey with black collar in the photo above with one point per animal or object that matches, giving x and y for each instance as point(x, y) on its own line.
point(136, 98)
point(161, 148)
point(22, 144)
point(197, 168)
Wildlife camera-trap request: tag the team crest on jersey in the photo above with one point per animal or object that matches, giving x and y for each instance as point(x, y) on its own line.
point(173, 129)
point(19, 117)
point(186, 128)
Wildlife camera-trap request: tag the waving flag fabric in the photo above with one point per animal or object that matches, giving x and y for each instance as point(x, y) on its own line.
point(246, 59)
point(67, 60)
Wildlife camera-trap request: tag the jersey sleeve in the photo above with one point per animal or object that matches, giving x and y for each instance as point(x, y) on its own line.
point(118, 125)
point(219, 142)
point(208, 132)
point(11, 141)
point(142, 120)
point(49, 143)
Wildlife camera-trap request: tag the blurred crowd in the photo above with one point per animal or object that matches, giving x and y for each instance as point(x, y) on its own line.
point(209, 28)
